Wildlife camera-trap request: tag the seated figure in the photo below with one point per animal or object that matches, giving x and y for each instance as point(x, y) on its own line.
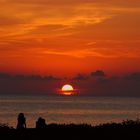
point(40, 123)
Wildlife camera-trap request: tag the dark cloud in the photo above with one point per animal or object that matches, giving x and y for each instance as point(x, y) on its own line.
point(51, 78)
point(98, 73)
point(107, 80)
point(4, 75)
point(20, 77)
point(36, 77)
point(80, 77)
point(133, 76)
point(29, 77)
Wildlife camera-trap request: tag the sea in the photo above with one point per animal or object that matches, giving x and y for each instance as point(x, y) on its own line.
point(68, 109)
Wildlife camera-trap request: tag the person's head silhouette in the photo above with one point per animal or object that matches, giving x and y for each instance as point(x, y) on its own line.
point(21, 121)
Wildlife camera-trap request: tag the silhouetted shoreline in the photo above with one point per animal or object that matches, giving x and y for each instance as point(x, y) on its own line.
point(111, 131)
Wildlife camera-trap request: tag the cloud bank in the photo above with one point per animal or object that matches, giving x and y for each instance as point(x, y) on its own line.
point(97, 84)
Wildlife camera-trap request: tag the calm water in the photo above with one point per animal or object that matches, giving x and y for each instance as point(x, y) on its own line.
point(61, 109)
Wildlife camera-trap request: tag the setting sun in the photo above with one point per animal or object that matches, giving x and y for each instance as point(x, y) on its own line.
point(67, 89)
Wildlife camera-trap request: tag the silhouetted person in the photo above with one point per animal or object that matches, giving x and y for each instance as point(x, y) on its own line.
point(21, 121)
point(40, 123)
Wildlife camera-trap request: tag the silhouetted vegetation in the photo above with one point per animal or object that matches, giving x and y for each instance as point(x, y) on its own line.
point(128, 129)
point(4, 126)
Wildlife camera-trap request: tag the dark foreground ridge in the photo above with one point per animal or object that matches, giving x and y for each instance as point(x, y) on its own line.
point(114, 131)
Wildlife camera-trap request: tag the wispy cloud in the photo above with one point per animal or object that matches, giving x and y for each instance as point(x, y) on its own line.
point(26, 18)
point(73, 28)
point(96, 52)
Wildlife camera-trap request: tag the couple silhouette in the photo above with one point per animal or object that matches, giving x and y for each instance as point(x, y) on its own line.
point(21, 122)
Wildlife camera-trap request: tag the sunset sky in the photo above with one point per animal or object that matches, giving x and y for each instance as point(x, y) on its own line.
point(70, 41)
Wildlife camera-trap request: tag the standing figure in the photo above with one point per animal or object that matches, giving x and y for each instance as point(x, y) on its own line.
point(21, 121)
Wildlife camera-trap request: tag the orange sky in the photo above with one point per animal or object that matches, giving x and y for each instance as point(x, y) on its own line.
point(66, 37)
